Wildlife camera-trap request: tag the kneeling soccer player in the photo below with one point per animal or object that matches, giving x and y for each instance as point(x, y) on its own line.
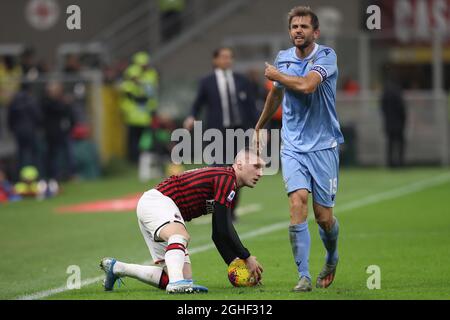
point(162, 213)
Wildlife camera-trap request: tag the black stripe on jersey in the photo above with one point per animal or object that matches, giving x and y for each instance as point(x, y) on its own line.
point(219, 187)
point(223, 192)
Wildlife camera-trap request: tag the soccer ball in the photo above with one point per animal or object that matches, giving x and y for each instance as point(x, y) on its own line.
point(239, 275)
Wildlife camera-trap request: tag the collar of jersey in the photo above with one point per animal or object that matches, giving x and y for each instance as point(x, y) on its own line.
point(310, 56)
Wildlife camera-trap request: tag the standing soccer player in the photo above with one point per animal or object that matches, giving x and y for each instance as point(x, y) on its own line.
point(162, 213)
point(305, 79)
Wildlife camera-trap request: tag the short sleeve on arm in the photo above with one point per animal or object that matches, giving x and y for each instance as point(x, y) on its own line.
point(224, 190)
point(326, 64)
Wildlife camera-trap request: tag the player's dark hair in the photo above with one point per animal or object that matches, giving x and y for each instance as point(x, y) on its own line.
point(217, 51)
point(302, 11)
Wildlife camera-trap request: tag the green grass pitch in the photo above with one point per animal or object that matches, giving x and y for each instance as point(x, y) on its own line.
point(397, 220)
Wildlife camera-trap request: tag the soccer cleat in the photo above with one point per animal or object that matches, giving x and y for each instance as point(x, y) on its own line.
point(107, 265)
point(303, 285)
point(326, 276)
point(185, 286)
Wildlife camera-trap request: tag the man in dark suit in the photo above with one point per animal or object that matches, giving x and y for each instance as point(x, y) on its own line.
point(227, 96)
point(228, 99)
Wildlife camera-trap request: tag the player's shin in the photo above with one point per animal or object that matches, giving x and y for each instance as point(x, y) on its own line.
point(301, 243)
point(175, 257)
point(151, 275)
point(330, 241)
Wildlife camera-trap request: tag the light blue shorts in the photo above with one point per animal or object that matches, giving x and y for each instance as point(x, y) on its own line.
point(315, 171)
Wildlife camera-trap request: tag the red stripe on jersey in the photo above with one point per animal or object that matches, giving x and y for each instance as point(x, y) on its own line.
point(220, 194)
point(219, 185)
point(226, 191)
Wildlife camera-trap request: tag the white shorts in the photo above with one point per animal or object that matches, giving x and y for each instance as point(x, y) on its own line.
point(154, 211)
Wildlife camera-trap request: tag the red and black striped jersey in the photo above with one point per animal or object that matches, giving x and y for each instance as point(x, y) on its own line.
point(196, 191)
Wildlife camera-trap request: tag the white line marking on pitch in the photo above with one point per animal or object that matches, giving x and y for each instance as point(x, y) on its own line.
point(372, 199)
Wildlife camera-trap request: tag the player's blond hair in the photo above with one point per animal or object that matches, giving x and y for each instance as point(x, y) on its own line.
point(302, 11)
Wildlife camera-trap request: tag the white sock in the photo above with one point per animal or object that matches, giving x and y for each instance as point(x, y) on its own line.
point(147, 274)
point(174, 257)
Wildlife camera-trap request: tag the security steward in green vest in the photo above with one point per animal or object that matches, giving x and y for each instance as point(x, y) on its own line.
point(139, 100)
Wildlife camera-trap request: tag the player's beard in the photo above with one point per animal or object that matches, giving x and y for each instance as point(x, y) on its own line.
point(306, 43)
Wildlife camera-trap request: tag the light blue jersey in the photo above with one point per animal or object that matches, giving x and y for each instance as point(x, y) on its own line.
point(309, 120)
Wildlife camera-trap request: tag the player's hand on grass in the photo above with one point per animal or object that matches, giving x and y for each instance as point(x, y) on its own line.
point(255, 267)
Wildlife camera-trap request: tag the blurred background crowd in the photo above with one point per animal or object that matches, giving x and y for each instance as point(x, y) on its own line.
point(76, 103)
